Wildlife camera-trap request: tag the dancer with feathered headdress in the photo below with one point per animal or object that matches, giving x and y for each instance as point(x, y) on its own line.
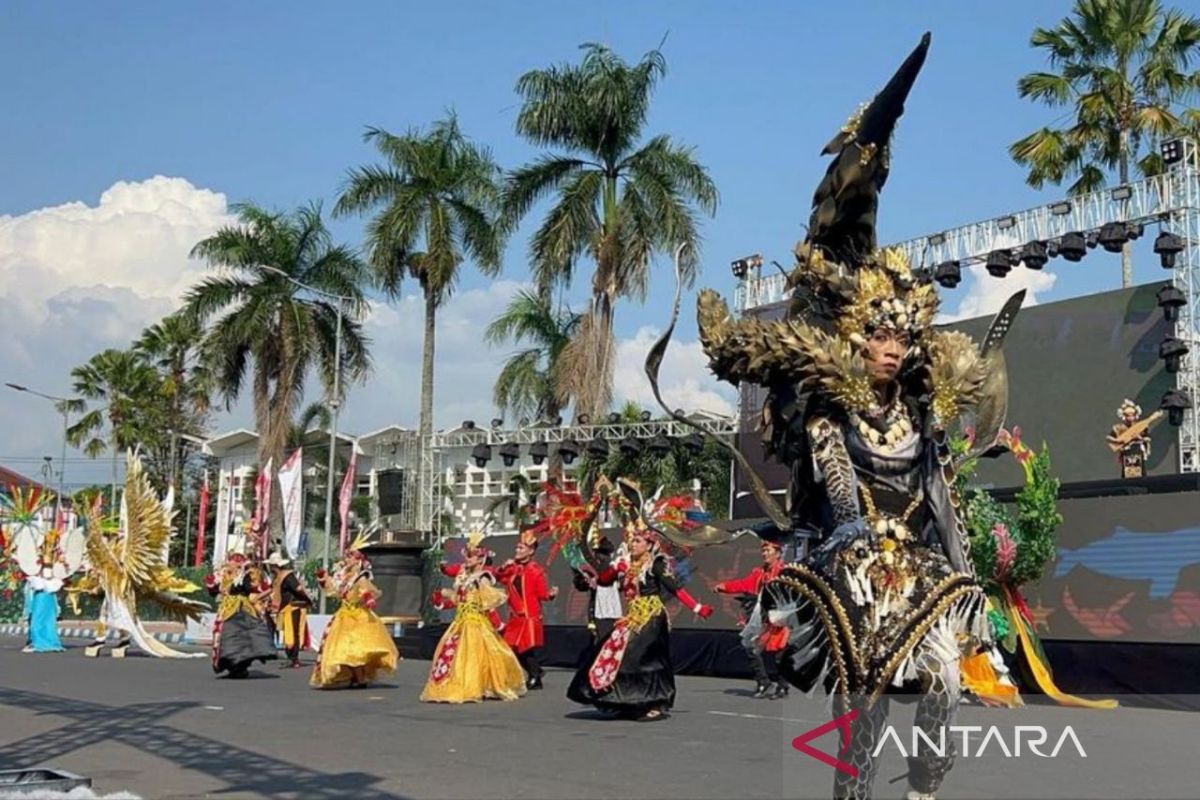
point(472, 661)
point(357, 647)
point(127, 564)
point(242, 631)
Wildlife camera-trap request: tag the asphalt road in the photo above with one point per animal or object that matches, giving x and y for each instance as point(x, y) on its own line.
point(171, 729)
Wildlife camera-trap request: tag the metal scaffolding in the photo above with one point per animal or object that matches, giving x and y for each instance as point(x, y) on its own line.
point(1172, 199)
point(436, 446)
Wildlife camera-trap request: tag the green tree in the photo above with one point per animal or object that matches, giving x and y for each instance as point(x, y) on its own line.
point(130, 411)
point(262, 324)
point(435, 198)
point(618, 200)
point(524, 387)
point(1123, 73)
point(173, 347)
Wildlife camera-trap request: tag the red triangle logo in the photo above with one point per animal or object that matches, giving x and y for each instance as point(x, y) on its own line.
point(842, 723)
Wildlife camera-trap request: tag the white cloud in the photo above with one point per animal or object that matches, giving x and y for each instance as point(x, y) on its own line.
point(986, 294)
point(684, 377)
point(75, 279)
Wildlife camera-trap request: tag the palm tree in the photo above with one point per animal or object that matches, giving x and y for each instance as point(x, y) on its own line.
point(260, 321)
point(618, 200)
point(1123, 70)
point(524, 387)
point(436, 196)
point(130, 413)
point(172, 345)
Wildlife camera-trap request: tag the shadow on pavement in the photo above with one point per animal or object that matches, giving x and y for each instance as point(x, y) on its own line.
point(143, 726)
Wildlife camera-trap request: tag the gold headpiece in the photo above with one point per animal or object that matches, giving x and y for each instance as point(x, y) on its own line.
point(475, 539)
point(362, 540)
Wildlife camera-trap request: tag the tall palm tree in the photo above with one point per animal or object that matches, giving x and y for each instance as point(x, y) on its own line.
point(1123, 71)
point(173, 346)
point(262, 323)
point(130, 412)
point(618, 200)
point(524, 387)
point(435, 196)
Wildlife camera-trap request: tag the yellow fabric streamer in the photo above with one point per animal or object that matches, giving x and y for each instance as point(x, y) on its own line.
point(980, 678)
point(1041, 671)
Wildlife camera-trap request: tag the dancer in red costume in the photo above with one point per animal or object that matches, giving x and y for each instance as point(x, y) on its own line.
point(763, 648)
point(528, 587)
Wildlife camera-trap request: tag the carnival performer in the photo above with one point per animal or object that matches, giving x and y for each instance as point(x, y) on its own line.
point(289, 605)
point(242, 632)
point(604, 602)
point(527, 586)
point(862, 393)
point(767, 641)
point(630, 671)
point(357, 647)
point(46, 557)
point(127, 564)
point(472, 661)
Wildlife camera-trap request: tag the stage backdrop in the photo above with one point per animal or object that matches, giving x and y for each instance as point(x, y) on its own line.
point(1070, 364)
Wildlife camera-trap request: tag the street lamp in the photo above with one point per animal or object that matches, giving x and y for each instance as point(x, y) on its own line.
point(61, 407)
point(334, 403)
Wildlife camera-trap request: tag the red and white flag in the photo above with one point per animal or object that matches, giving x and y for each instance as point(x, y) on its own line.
point(201, 527)
point(292, 496)
point(262, 510)
point(344, 500)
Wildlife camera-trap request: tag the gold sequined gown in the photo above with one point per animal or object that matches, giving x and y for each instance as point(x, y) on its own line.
point(356, 639)
point(472, 661)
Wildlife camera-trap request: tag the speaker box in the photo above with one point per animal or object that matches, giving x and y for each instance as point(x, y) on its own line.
point(391, 491)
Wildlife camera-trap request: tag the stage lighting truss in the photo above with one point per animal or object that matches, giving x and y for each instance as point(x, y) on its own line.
point(1171, 200)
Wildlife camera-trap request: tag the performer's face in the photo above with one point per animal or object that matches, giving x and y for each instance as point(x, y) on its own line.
point(1129, 415)
point(770, 554)
point(524, 552)
point(886, 350)
point(638, 546)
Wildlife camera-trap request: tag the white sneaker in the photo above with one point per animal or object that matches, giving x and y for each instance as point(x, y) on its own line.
point(28, 649)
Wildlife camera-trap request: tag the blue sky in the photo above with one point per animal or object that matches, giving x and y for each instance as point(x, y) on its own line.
point(268, 101)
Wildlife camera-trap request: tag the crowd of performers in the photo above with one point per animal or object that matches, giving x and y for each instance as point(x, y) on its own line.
point(863, 394)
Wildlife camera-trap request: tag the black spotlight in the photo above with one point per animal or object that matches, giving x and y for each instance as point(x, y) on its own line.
point(631, 446)
point(538, 452)
point(583, 419)
point(1175, 402)
point(646, 416)
point(598, 448)
point(1171, 150)
point(1170, 300)
point(1135, 230)
point(999, 263)
point(1034, 255)
point(694, 442)
point(659, 446)
point(948, 274)
point(468, 424)
point(1171, 351)
point(1093, 239)
point(1113, 236)
point(482, 453)
point(568, 451)
point(509, 453)
point(1167, 246)
point(1073, 246)
point(614, 418)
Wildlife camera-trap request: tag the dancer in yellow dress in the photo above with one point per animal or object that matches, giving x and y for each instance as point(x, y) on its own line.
point(472, 662)
point(357, 646)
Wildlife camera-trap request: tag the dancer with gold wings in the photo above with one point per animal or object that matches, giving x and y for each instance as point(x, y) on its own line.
point(128, 565)
point(472, 662)
point(357, 647)
point(863, 394)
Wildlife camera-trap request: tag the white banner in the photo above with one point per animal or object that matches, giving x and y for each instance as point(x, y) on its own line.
point(291, 492)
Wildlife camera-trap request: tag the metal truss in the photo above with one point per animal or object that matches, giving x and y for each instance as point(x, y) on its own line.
point(1172, 198)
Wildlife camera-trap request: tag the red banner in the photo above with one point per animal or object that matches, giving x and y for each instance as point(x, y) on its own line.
point(198, 561)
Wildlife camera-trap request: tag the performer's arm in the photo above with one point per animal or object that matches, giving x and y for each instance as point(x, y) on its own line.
point(747, 585)
point(673, 586)
point(541, 586)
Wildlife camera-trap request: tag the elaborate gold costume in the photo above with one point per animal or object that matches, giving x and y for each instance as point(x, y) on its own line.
point(472, 661)
point(357, 647)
